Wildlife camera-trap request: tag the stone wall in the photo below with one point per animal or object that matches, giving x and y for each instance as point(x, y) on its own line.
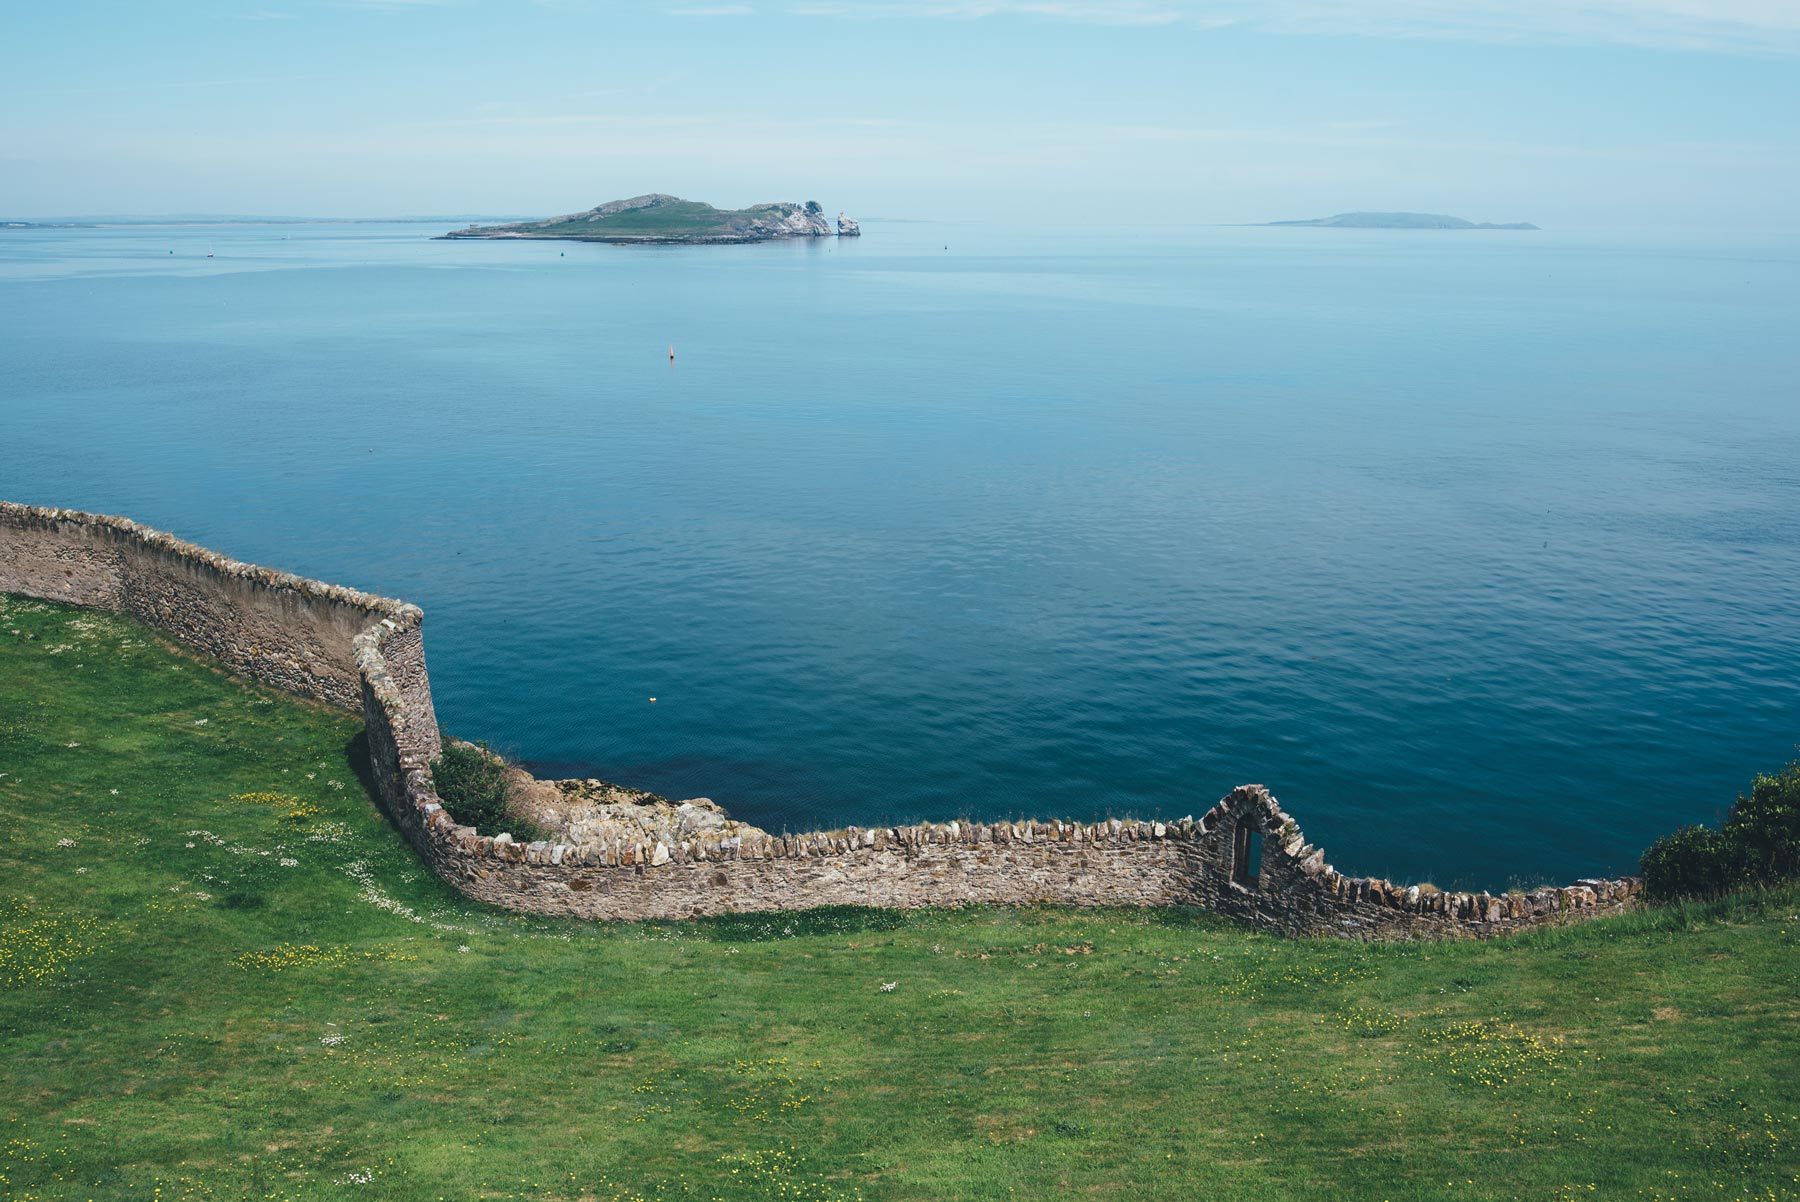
point(1191, 862)
point(1245, 857)
point(287, 631)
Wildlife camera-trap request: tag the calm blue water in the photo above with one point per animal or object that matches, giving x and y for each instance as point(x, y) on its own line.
point(1481, 550)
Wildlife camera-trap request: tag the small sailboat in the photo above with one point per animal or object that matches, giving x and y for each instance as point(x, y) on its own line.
point(671, 353)
point(209, 252)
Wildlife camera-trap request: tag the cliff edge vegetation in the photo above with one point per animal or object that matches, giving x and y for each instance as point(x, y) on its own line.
point(660, 218)
point(224, 974)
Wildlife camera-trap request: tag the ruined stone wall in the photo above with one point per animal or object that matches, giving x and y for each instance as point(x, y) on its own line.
point(283, 630)
point(361, 651)
point(1191, 862)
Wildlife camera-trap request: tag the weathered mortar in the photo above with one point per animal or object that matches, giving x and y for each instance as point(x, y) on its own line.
point(360, 651)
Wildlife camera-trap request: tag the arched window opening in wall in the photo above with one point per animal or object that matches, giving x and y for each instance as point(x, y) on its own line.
point(1246, 855)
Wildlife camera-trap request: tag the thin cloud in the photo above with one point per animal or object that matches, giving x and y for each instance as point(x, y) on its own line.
point(712, 10)
point(1758, 27)
point(678, 137)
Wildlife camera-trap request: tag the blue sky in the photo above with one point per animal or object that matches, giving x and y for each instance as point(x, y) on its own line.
point(1634, 112)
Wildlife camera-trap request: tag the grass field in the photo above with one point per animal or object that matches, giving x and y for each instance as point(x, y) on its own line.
point(222, 975)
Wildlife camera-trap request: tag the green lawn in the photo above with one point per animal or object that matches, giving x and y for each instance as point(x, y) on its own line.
point(223, 975)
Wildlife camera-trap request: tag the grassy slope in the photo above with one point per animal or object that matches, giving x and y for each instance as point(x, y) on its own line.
point(160, 1025)
point(672, 219)
point(679, 218)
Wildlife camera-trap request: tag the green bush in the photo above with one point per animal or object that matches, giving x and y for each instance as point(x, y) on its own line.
point(1766, 826)
point(1695, 861)
point(472, 783)
point(1759, 845)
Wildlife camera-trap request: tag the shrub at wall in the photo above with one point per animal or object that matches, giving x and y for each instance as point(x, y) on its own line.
point(1766, 826)
point(1695, 861)
point(472, 783)
point(1758, 845)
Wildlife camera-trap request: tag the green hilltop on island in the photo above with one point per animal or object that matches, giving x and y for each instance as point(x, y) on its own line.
point(1404, 221)
point(658, 218)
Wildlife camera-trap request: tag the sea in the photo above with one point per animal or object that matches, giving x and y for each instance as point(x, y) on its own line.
point(1480, 549)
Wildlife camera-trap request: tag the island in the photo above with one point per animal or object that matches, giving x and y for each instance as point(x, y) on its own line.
point(660, 219)
point(1404, 221)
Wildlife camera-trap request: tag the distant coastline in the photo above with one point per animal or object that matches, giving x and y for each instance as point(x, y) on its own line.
point(1401, 221)
point(190, 219)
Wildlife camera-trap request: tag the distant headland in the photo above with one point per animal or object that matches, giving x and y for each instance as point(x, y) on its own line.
point(661, 219)
point(1404, 221)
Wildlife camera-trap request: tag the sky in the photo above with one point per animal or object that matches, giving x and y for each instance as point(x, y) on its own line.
point(1571, 113)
